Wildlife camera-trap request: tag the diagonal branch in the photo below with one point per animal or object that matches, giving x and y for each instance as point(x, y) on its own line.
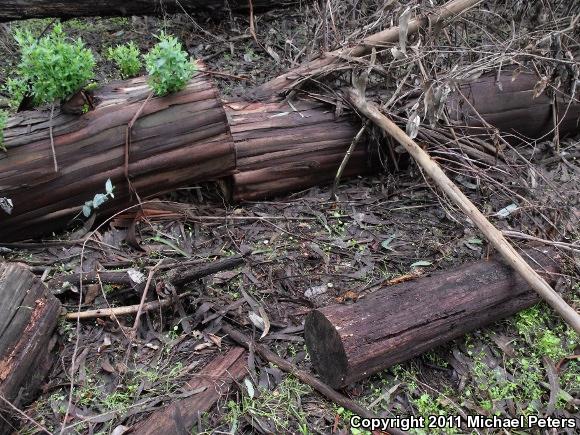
point(319, 65)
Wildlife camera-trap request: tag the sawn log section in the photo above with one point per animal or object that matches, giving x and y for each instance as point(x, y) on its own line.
point(177, 141)
point(282, 147)
point(349, 342)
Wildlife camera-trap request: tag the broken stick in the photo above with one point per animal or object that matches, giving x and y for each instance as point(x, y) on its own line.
point(495, 236)
point(121, 311)
point(179, 276)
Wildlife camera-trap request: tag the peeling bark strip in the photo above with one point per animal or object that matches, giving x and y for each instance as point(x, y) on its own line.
point(11, 10)
point(283, 148)
point(350, 342)
point(28, 316)
point(178, 140)
point(209, 385)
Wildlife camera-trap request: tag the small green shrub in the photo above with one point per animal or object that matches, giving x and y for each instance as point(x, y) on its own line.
point(168, 65)
point(126, 57)
point(53, 67)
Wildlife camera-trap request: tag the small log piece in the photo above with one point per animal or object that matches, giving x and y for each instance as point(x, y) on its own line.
point(282, 147)
point(177, 140)
point(350, 342)
point(209, 385)
point(28, 317)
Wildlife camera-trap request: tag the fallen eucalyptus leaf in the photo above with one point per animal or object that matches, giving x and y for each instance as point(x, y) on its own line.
point(404, 29)
point(506, 211)
point(136, 276)
point(421, 263)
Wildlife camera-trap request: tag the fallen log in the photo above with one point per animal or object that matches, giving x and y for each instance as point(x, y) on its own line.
point(207, 387)
point(512, 105)
point(177, 140)
point(282, 147)
point(347, 343)
point(12, 10)
point(28, 316)
point(257, 149)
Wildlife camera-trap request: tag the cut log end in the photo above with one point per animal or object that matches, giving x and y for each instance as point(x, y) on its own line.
point(326, 348)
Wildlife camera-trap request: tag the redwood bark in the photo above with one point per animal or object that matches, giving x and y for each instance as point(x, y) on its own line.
point(177, 140)
point(28, 316)
point(283, 148)
point(11, 10)
point(347, 343)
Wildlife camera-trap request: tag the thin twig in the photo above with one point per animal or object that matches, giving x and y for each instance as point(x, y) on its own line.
point(128, 135)
point(144, 296)
point(121, 311)
point(52, 138)
point(346, 158)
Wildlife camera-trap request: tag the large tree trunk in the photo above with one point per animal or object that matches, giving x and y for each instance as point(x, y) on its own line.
point(177, 140)
point(11, 10)
point(28, 316)
point(349, 342)
point(283, 148)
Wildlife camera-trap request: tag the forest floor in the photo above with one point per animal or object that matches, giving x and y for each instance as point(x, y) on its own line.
point(305, 250)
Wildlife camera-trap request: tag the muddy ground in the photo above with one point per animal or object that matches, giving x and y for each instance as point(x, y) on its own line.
point(304, 250)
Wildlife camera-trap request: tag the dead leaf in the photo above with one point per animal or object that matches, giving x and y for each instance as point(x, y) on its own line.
point(202, 346)
point(93, 290)
point(540, 86)
point(266, 322)
point(272, 53)
point(404, 29)
point(216, 340)
point(106, 344)
point(136, 276)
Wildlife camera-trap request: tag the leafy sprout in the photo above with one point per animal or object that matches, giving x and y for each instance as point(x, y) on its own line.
point(168, 65)
point(126, 57)
point(99, 199)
